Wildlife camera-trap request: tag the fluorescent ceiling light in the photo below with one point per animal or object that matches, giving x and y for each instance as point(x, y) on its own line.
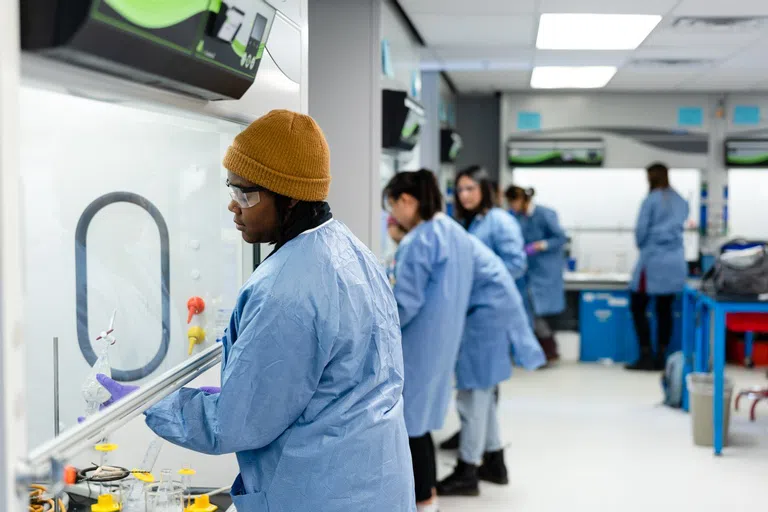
point(563, 77)
point(594, 31)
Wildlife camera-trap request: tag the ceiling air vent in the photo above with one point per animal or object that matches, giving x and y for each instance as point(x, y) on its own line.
point(670, 63)
point(720, 24)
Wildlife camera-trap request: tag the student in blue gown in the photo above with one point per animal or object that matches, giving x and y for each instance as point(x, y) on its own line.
point(433, 282)
point(544, 285)
point(661, 270)
point(312, 371)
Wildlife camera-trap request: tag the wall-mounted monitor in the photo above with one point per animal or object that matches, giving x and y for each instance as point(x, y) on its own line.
point(523, 152)
point(746, 153)
point(401, 119)
point(450, 145)
point(209, 49)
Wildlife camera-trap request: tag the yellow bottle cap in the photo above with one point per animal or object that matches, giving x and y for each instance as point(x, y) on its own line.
point(202, 504)
point(106, 503)
point(143, 476)
point(187, 472)
point(105, 447)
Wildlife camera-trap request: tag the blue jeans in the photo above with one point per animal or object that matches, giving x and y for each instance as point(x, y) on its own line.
point(479, 424)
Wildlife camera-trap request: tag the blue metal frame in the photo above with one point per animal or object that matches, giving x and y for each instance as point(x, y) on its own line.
point(699, 309)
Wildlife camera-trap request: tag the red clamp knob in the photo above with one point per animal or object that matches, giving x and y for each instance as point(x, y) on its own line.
point(195, 306)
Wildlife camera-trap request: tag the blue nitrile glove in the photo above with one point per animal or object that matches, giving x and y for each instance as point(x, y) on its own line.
point(117, 390)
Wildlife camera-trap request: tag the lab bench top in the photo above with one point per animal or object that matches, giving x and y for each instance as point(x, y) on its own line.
point(575, 281)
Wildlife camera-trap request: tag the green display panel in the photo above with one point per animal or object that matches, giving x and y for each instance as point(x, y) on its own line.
point(746, 153)
point(555, 153)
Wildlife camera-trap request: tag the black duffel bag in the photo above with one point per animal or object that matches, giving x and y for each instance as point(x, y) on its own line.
point(740, 270)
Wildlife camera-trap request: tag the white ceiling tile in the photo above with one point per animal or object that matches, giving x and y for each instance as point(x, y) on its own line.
point(722, 8)
point(721, 79)
point(476, 7)
point(646, 79)
point(491, 80)
point(668, 35)
point(440, 29)
point(607, 7)
point(684, 52)
point(484, 52)
point(752, 57)
point(580, 58)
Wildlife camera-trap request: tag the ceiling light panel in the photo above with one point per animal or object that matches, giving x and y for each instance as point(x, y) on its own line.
point(594, 31)
point(564, 77)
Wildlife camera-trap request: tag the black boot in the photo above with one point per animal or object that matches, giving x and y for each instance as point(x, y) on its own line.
point(493, 469)
point(646, 363)
point(463, 482)
point(452, 443)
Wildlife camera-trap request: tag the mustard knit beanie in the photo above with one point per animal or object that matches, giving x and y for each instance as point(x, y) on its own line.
point(284, 152)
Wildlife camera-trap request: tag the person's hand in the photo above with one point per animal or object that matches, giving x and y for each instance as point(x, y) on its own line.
point(211, 390)
point(117, 390)
point(535, 247)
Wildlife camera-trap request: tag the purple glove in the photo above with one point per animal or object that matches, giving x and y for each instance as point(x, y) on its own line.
point(530, 249)
point(117, 390)
point(211, 390)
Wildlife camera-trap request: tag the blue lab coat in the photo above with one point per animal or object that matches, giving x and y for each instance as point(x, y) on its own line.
point(544, 282)
point(433, 273)
point(496, 318)
point(659, 237)
point(501, 232)
point(312, 377)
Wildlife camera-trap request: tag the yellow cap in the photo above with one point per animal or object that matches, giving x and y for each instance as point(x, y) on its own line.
point(284, 152)
point(196, 335)
point(143, 476)
point(202, 504)
point(106, 503)
point(105, 447)
point(187, 472)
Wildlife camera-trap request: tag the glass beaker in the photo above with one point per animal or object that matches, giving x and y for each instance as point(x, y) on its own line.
point(134, 495)
point(166, 496)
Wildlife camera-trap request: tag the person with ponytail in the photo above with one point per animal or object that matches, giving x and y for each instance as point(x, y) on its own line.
point(543, 285)
point(433, 282)
point(484, 357)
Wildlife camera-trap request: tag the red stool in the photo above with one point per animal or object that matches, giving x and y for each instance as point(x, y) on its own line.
point(749, 323)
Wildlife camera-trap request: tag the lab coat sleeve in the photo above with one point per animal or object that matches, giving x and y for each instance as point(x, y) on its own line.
point(509, 245)
point(414, 268)
point(270, 374)
point(643, 226)
point(556, 238)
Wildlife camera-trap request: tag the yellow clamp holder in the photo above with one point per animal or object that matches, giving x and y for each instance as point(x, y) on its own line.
point(196, 335)
point(202, 504)
point(187, 472)
point(106, 503)
point(105, 447)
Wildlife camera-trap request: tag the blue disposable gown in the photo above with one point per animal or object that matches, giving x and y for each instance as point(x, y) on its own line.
point(312, 377)
point(659, 237)
point(544, 282)
point(495, 318)
point(501, 232)
point(433, 282)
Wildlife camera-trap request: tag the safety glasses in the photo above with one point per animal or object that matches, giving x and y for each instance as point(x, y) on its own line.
point(245, 197)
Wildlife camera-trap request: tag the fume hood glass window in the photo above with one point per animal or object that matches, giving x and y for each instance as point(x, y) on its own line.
point(598, 208)
point(748, 203)
point(124, 215)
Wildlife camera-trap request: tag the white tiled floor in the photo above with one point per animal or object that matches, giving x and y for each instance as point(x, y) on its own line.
point(593, 438)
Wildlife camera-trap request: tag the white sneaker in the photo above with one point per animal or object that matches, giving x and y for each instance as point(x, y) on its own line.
point(432, 507)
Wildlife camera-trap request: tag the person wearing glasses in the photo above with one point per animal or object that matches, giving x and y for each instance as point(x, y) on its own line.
point(312, 371)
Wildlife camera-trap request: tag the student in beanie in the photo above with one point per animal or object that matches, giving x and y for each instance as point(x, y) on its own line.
point(312, 373)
